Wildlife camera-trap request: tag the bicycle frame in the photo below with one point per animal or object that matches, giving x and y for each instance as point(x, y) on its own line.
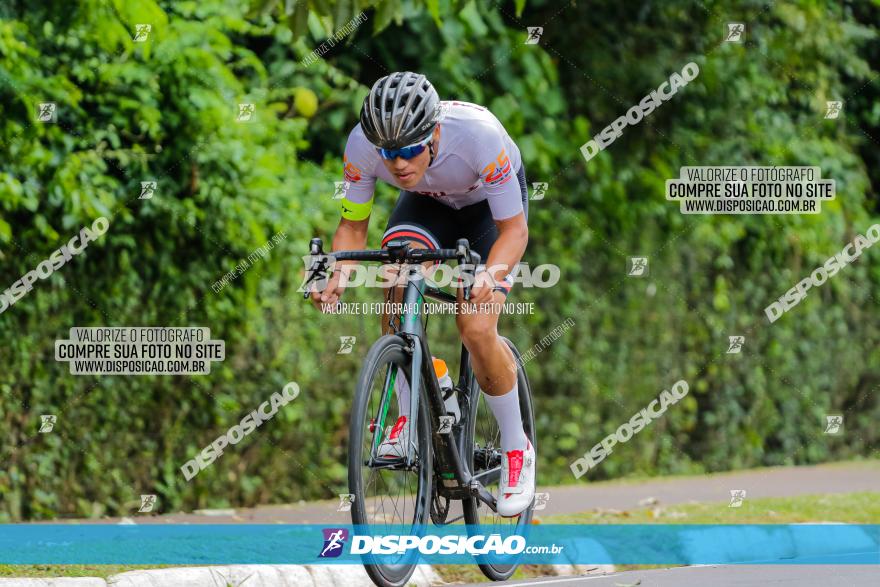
point(457, 481)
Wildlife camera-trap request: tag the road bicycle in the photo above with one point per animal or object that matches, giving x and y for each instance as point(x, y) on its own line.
point(444, 461)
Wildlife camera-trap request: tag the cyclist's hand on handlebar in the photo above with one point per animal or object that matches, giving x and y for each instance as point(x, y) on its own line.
point(330, 295)
point(481, 291)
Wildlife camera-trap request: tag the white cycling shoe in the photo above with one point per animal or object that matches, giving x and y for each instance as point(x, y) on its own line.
point(396, 440)
point(517, 481)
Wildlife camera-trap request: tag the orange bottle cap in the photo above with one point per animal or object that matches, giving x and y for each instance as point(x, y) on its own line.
point(439, 367)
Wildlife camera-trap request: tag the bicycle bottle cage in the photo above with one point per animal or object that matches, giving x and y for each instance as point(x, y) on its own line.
point(447, 394)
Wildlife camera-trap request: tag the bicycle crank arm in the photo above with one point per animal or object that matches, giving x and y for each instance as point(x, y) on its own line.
point(479, 491)
point(489, 477)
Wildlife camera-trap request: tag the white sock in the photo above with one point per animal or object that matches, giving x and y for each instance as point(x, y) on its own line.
point(401, 389)
point(506, 410)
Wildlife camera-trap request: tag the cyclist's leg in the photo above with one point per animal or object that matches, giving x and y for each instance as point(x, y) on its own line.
point(492, 361)
point(495, 368)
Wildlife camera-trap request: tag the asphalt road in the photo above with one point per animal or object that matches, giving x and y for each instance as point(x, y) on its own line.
point(844, 575)
point(774, 482)
point(583, 496)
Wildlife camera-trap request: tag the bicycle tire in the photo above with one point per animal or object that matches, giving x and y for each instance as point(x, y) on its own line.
point(389, 349)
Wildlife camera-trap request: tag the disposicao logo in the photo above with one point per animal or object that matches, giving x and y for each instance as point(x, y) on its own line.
point(334, 542)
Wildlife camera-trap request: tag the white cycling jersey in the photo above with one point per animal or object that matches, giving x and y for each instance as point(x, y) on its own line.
point(476, 160)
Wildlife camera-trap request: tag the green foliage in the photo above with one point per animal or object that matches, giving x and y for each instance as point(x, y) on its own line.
point(128, 112)
point(711, 276)
point(165, 110)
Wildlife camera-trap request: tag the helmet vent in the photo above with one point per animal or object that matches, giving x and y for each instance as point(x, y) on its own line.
point(399, 110)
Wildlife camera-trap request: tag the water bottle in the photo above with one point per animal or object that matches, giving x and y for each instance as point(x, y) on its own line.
point(449, 398)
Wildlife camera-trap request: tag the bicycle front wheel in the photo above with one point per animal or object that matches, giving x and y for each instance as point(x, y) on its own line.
point(387, 497)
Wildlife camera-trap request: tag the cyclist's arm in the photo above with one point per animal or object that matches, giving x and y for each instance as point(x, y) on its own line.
point(497, 164)
point(355, 208)
point(350, 235)
point(506, 252)
point(359, 180)
point(357, 202)
point(513, 236)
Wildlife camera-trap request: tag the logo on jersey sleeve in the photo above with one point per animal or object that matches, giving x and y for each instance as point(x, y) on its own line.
point(498, 172)
point(352, 173)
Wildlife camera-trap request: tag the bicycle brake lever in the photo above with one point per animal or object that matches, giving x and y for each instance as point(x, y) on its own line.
point(316, 272)
point(472, 271)
point(316, 249)
point(470, 259)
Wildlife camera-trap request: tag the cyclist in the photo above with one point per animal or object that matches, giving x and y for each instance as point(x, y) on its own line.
point(460, 176)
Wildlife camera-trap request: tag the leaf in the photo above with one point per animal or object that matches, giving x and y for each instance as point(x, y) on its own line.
point(384, 15)
point(262, 7)
point(471, 16)
point(343, 13)
point(434, 11)
point(5, 231)
point(298, 21)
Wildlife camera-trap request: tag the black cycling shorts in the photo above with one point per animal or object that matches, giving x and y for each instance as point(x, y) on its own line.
point(424, 220)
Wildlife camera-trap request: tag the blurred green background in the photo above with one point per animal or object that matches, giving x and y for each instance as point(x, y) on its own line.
point(164, 110)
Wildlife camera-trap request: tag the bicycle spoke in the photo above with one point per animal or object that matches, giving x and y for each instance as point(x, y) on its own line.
point(391, 491)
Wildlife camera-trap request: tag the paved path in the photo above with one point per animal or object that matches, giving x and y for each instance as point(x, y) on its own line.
point(626, 495)
point(724, 576)
point(759, 483)
point(771, 482)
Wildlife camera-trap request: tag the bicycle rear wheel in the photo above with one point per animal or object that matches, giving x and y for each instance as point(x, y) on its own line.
point(483, 437)
point(387, 498)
